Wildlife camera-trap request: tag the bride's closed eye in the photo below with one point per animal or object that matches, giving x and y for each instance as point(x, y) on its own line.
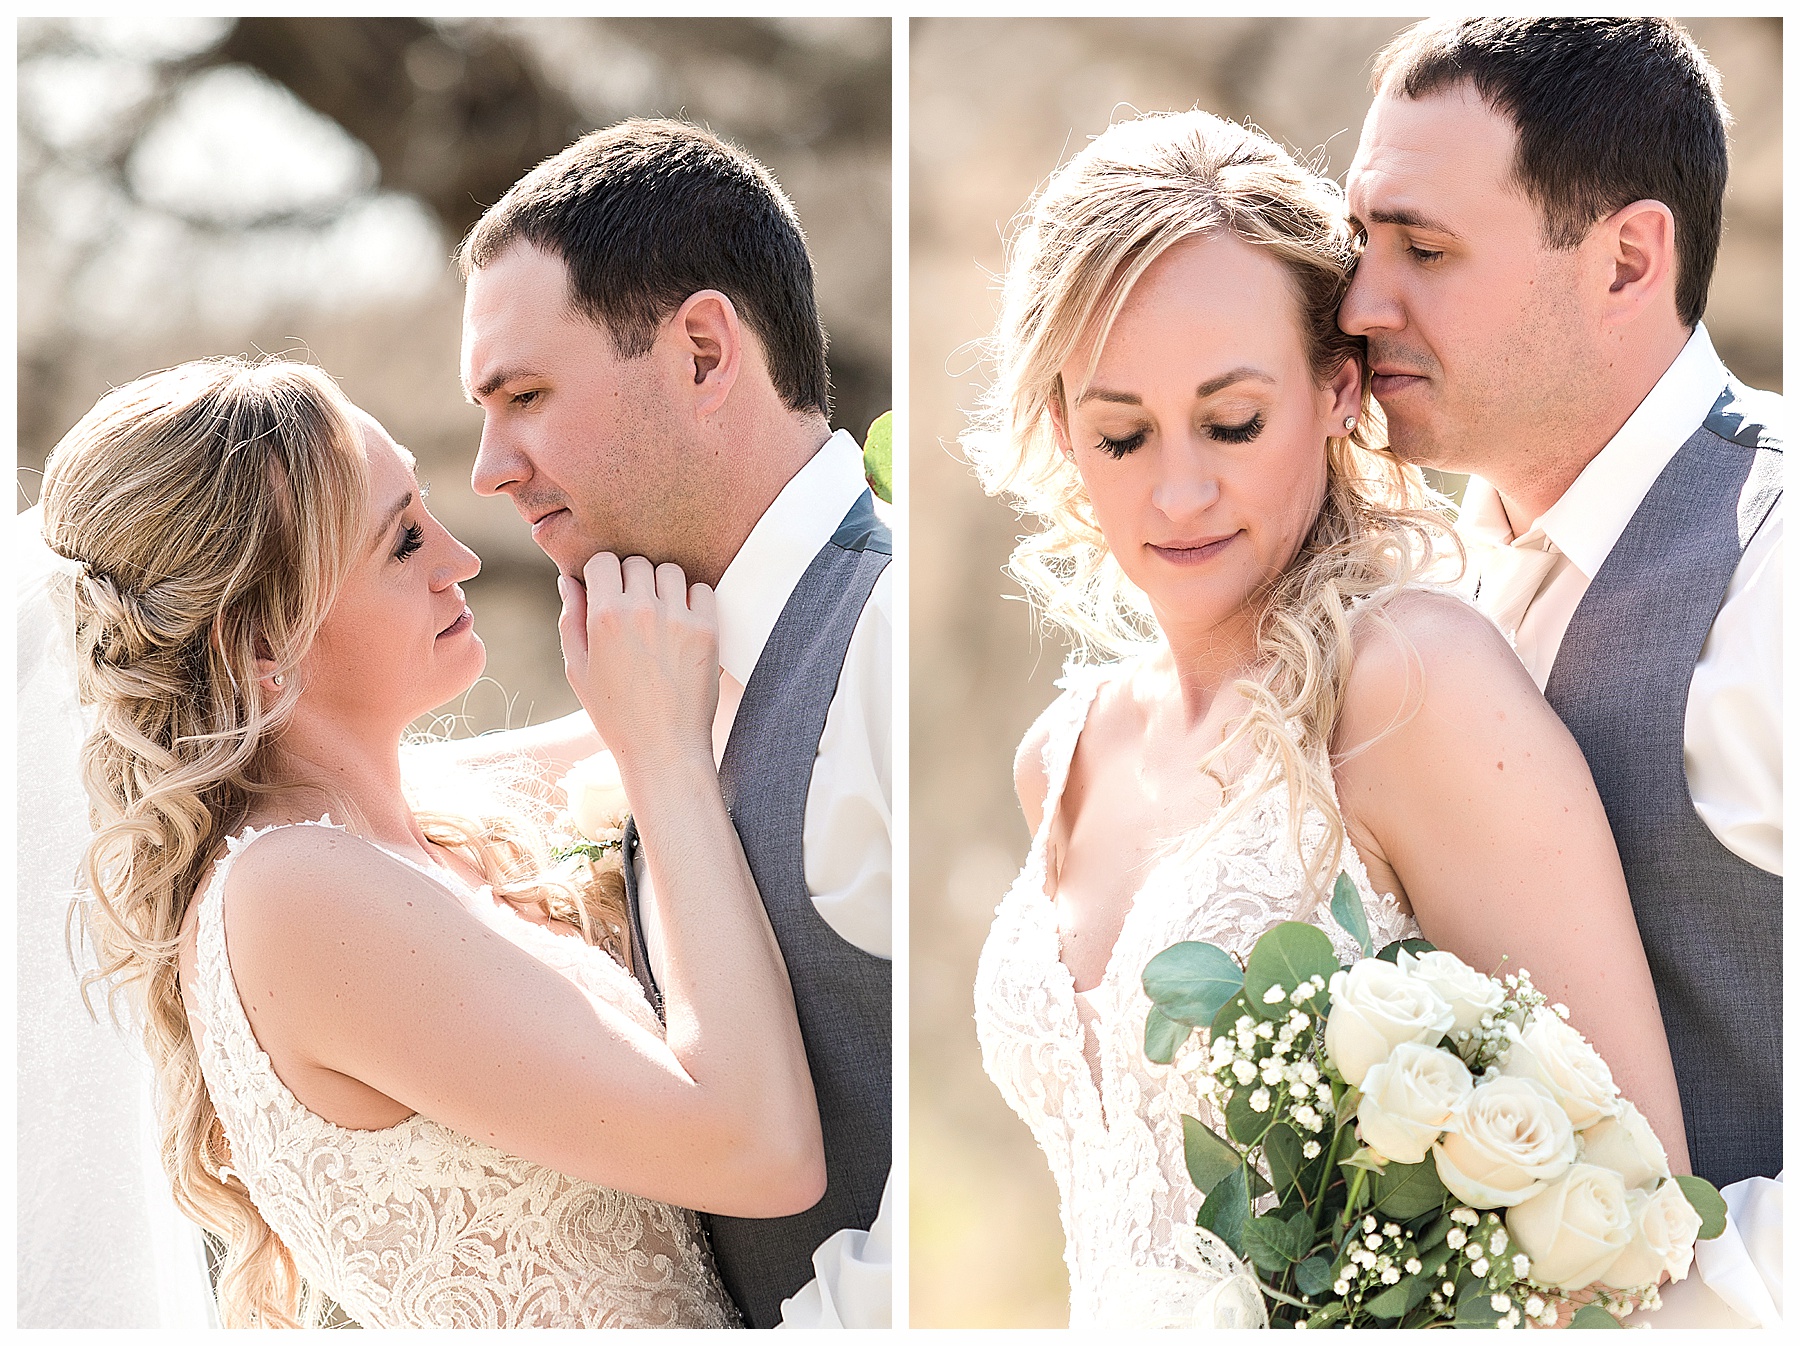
point(412, 537)
point(1241, 433)
point(1118, 448)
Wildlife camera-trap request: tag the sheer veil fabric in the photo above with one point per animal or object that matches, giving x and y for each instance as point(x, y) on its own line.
point(100, 1241)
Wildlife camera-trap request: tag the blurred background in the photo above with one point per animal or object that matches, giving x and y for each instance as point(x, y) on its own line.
point(193, 187)
point(996, 106)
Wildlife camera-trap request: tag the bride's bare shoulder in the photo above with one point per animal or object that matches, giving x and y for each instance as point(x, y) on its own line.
point(1423, 649)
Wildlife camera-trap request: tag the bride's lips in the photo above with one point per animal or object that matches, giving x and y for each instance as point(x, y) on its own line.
point(463, 622)
point(1192, 551)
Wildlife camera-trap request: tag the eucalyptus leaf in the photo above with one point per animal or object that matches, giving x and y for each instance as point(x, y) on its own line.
point(1226, 1210)
point(1226, 1019)
point(1275, 1244)
point(1286, 955)
point(1191, 981)
point(1348, 911)
point(1328, 1315)
point(1592, 1315)
point(1407, 1191)
point(1390, 953)
point(1707, 1204)
point(1364, 1158)
point(1313, 1276)
point(1281, 1147)
point(1399, 1299)
point(1163, 1036)
point(1474, 1307)
point(1209, 1157)
point(1243, 1123)
point(878, 457)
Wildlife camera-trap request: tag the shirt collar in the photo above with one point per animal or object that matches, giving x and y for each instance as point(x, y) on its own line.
point(1589, 518)
point(759, 581)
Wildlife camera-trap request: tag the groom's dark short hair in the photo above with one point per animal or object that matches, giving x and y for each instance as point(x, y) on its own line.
point(1608, 111)
point(648, 212)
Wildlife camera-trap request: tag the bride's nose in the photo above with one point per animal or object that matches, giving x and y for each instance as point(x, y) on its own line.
point(1188, 484)
point(456, 565)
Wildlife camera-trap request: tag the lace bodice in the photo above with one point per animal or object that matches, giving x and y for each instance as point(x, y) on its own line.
point(416, 1225)
point(1115, 1148)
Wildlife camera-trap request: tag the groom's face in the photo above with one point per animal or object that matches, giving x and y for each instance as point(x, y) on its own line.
point(1474, 325)
point(586, 444)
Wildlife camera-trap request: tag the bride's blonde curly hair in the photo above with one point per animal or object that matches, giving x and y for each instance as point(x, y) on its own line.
point(1093, 229)
point(211, 512)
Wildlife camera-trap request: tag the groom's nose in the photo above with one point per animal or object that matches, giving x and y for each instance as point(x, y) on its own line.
point(1369, 305)
point(498, 465)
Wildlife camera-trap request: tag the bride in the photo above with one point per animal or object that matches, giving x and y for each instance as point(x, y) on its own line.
point(1175, 399)
point(397, 1064)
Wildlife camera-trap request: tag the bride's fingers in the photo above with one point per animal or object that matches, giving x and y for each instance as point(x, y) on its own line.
point(602, 575)
point(571, 622)
point(639, 577)
point(671, 585)
point(704, 604)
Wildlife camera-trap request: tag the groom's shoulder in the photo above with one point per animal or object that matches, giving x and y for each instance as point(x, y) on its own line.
point(1752, 417)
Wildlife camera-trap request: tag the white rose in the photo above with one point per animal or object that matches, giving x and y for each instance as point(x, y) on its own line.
point(1504, 1144)
point(1470, 994)
point(1561, 1060)
point(1627, 1145)
point(1374, 1008)
point(1663, 1229)
point(1575, 1229)
point(1409, 1098)
point(596, 796)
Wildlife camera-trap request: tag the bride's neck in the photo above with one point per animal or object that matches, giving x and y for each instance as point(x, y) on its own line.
point(358, 770)
point(1206, 660)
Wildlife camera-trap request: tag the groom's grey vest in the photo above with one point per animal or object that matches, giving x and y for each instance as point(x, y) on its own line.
point(844, 996)
point(1711, 922)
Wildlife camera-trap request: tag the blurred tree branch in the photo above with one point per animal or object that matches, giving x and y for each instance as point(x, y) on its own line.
point(452, 116)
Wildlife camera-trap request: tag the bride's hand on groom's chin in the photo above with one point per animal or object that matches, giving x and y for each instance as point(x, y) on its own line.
point(641, 651)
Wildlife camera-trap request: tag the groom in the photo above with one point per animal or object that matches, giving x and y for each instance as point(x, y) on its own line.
point(641, 335)
point(1542, 203)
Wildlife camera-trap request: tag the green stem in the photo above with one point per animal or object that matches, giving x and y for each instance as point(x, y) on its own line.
point(1273, 1293)
point(1357, 1180)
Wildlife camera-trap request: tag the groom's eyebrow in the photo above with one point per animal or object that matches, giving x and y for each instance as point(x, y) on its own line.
point(493, 383)
point(1409, 219)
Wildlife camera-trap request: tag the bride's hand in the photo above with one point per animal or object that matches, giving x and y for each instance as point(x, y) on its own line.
point(641, 650)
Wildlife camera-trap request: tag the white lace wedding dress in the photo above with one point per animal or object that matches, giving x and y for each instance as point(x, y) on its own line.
point(1112, 1129)
point(415, 1225)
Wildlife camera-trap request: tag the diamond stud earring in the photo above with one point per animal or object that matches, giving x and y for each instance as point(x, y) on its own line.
point(280, 679)
point(1349, 423)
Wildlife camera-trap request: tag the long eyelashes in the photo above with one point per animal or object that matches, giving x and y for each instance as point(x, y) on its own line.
point(1241, 433)
point(1237, 434)
point(1118, 448)
point(412, 537)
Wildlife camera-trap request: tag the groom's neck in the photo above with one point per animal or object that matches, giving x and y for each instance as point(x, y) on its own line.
point(766, 451)
point(1622, 376)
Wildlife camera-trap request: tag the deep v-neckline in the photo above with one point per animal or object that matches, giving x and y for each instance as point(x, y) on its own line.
point(1053, 809)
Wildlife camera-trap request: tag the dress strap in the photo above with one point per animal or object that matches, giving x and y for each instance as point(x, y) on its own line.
point(1065, 719)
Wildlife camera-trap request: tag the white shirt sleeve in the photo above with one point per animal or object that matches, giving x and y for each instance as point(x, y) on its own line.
point(854, 1281)
point(1733, 728)
point(847, 838)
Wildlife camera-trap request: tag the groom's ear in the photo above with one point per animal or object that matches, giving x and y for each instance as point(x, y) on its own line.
point(711, 344)
point(1640, 249)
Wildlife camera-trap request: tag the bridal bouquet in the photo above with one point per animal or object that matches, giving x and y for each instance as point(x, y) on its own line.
point(1411, 1143)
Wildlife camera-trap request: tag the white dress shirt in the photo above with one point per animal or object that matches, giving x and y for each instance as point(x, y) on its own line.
point(846, 841)
point(1530, 585)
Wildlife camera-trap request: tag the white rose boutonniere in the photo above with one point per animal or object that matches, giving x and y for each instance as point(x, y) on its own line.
point(596, 805)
